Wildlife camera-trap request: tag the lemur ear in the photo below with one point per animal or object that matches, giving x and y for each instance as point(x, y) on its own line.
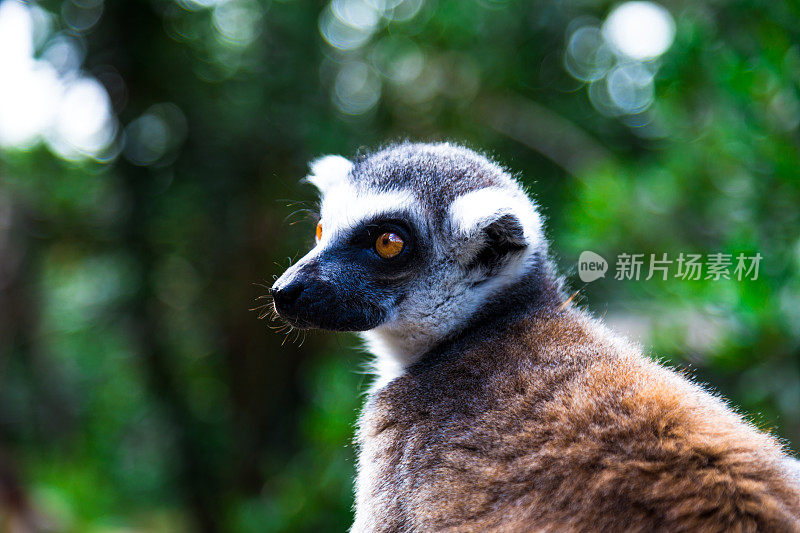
point(500, 238)
point(328, 171)
point(493, 224)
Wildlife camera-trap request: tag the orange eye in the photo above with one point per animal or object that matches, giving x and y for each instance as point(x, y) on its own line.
point(389, 245)
point(318, 234)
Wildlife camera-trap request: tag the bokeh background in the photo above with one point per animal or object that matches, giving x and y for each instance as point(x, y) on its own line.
point(150, 152)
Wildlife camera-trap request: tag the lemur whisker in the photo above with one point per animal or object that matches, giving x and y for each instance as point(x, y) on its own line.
point(292, 203)
point(308, 214)
point(287, 335)
point(569, 300)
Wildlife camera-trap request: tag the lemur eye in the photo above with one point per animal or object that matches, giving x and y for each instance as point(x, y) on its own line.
point(389, 245)
point(318, 234)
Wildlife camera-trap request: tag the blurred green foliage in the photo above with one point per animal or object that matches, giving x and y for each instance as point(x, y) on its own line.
point(137, 390)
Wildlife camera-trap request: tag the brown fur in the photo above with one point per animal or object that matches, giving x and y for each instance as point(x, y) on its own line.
point(555, 424)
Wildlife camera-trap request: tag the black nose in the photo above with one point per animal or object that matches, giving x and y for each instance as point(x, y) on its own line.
point(286, 296)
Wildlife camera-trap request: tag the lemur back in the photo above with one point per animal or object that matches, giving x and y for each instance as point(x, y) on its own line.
point(553, 424)
point(498, 405)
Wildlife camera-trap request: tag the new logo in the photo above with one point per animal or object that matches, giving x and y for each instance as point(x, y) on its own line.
point(591, 266)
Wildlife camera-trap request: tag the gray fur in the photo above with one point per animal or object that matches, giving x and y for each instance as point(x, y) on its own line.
point(436, 173)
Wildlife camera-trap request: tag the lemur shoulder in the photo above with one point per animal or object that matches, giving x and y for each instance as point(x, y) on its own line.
point(499, 405)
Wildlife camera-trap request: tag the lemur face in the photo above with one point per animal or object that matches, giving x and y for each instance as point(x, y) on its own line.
point(359, 270)
point(411, 239)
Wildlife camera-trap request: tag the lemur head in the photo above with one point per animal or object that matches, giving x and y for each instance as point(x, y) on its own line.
point(412, 241)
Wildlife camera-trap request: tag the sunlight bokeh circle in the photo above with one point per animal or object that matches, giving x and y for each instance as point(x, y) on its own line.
point(640, 30)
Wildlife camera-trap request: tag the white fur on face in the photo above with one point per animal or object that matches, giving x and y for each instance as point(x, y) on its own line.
point(345, 207)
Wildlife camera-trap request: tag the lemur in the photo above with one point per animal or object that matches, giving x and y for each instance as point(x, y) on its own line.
point(499, 405)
